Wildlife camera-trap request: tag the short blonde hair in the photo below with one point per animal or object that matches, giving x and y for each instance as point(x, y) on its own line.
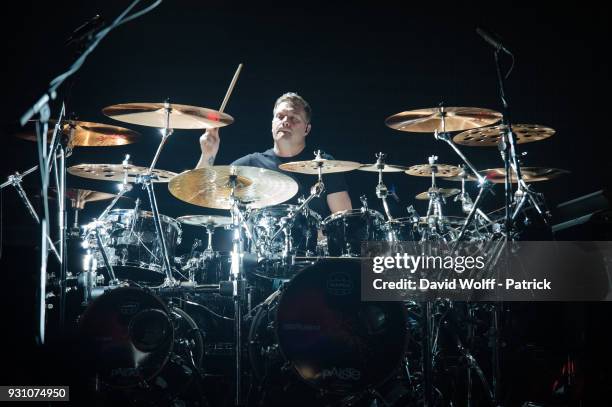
point(297, 101)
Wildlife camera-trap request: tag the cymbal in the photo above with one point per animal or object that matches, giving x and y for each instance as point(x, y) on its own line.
point(443, 192)
point(181, 116)
point(80, 197)
point(209, 186)
point(206, 220)
point(490, 136)
point(530, 174)
point(327, 166)
point(446, 220)
point(116, 172)
point(88, 134)
point(455, 119)
point(424, 170)
point(386, 168)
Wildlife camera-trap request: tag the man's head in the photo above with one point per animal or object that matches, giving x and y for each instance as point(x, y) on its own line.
point(291, 118)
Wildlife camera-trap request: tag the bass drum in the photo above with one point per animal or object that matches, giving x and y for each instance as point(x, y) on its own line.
point(140, 349)
point(318, 325)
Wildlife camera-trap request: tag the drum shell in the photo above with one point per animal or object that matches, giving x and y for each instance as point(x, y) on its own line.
point(346, 231)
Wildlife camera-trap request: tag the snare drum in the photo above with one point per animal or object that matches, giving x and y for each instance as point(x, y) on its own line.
point(346, 230)
point(132, 245)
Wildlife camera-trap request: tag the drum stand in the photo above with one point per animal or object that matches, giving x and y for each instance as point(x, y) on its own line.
point(286, 222)
point(381, 189)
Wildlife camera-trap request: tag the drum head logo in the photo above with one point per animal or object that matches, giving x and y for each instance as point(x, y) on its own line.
point(339, 284)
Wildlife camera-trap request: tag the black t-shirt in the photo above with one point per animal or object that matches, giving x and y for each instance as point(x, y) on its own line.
point(269, 160)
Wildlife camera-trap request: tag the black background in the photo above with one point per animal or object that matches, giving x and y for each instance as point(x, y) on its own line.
point(355, 64)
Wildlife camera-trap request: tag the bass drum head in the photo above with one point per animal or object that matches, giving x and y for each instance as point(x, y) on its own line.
point(334, 341)
point(127, 335)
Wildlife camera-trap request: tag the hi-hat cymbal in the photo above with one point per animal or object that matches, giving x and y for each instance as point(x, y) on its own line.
point(117, 172)
point(327, 166)
point(206, 220)
point(181, 116)
point(490, 136)
point(386, 168)
point(530, 174)
point(455, 119)
point(209, 186)
point(88, 134)
point(425, 170)
point(443, 192)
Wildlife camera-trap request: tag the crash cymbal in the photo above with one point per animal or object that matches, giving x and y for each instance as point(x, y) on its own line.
point(206, 220)
point(88, 134)
point(424, 170)
point(327, 166)
point(116, 172)
point(386, 168)
point(530, 174)
point(490, 136)
point(455, 119)
point(443, 192)
point(209, 186)
point(181, 116)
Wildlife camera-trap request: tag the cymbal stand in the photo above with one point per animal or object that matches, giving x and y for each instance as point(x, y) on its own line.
point(435, 215)
point(238, 280)
point(146, 181)
point(381, 189)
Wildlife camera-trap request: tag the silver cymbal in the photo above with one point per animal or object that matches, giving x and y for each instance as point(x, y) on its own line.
point(214, 221)
point(116, 172)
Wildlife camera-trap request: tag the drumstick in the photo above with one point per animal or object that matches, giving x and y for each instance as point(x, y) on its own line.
point(231, 88)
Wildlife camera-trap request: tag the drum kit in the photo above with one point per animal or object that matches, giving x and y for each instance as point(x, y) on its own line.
point(283, 295)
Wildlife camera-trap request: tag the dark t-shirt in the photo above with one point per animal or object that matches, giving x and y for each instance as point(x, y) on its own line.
point(269, 160)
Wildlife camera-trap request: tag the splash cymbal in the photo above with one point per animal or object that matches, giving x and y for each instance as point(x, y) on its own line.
point(181, 116)
point(443, 192)
point(209, 186)
point(442, 119)
point(117, 172)
point(386, 168)
point(490, 136)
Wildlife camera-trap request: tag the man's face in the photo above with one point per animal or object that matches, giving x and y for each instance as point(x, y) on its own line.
point(289, 122)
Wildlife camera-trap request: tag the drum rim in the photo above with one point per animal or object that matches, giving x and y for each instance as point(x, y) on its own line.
point(165, 309)
point(347, 213)
point(148, 215)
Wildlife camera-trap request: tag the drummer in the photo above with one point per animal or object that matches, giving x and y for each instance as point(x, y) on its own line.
point(290, 126)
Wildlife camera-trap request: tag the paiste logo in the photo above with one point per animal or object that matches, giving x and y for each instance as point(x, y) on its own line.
point(342, 373)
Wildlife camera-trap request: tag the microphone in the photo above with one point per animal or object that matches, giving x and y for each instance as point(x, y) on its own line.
point(85, 31)
point(492, 40)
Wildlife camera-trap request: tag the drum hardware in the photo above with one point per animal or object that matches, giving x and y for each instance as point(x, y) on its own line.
point(381, 189)
point(286, 222)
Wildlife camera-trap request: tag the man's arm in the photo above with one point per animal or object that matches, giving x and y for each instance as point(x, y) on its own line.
point(209, 145)
point(339, 201)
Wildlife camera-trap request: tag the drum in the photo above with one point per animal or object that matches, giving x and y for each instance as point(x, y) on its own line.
point(346, 230)
point(302, 239)
point(132, 246)
point(132, 341)
point(318, 325)
point(400, 230)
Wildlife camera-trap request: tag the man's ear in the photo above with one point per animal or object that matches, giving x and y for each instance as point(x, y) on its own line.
point(308, 127)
